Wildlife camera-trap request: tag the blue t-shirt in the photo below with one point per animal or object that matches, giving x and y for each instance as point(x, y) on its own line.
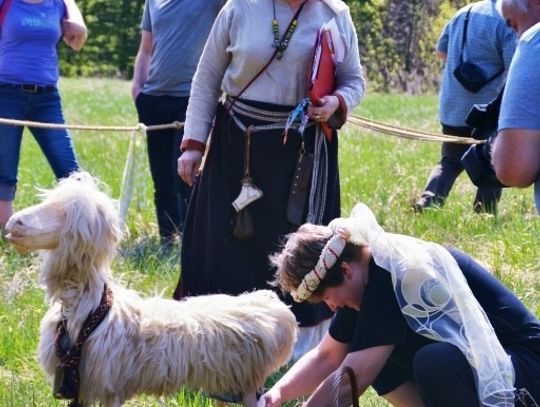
point(179, 30)
point(28, 42)
point(490, 44)
point(520, 107)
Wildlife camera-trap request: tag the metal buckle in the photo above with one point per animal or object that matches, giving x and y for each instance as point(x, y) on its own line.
point(30, 88)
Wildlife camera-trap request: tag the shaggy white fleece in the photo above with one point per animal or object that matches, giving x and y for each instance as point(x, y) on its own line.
point(217, 343)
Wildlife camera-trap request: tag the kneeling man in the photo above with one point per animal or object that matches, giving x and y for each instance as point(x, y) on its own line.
point(423, 324)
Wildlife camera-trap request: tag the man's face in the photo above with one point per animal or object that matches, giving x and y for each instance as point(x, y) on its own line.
point(520, 21)
point(348, 293)
point(510, 14)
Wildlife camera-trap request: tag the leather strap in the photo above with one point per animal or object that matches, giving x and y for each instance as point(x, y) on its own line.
point(463, 43)
point(342, 371)
point(295, 17)
point(233, 99)
point(464, 37)
point(68, 384)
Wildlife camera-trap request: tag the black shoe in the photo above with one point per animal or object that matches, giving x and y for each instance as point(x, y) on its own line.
point(426, 202)
point(481, 207)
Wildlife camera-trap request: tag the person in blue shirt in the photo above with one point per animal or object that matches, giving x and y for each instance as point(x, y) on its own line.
point(516, 150)
point(407, 313)
point(490, 45)
point(29, 75)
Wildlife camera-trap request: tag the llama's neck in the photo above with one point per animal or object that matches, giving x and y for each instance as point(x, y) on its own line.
point(78, 291)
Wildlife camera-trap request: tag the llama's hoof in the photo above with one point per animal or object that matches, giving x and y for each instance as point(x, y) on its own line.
point(225, 397)
point(232, 398)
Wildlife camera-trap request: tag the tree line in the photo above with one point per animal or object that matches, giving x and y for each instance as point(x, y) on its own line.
point(396, 40)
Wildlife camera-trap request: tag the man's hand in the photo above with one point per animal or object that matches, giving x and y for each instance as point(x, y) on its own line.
point(141, 67)
point(329, 104)
point(188, 165)
point(135, 90)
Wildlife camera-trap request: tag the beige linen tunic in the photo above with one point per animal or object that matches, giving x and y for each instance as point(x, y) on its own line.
point(240, 44)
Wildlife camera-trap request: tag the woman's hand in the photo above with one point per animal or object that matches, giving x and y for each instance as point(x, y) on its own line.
point(188, 165)
point(74, 34)
point(329, 105)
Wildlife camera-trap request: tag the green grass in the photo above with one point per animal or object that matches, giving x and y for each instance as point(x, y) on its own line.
point(386, 173)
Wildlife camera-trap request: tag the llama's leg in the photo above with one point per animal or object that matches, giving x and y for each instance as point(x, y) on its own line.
point(249, 399)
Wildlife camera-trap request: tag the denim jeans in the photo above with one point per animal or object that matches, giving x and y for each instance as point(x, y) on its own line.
point(57, 146)
point(171, 194)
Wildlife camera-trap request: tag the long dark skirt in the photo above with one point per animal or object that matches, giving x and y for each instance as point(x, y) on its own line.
point(212, 260)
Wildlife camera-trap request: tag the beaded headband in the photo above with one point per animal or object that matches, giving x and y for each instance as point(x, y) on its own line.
point(329, 255)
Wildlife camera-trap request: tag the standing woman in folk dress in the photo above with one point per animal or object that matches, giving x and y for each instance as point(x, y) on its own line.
point(243, 39)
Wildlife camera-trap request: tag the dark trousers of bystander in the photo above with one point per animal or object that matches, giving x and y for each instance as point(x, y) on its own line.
point(171, 194)
point(444, 175)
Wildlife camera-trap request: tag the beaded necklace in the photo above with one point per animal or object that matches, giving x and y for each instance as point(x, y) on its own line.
point(281, 45)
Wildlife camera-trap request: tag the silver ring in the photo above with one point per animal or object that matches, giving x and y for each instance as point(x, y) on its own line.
point(317, 116)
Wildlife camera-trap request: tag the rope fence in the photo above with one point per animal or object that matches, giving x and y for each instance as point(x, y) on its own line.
point(133, 169)
point(402, 132)
point(133, 172)
point(25, 123)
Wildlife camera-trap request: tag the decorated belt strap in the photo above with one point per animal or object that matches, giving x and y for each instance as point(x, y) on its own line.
point(66, 377)
point(275, 120)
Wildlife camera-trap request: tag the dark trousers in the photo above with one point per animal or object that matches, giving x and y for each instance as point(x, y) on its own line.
point(171, 194)
point(444, 174)
point(444, 377)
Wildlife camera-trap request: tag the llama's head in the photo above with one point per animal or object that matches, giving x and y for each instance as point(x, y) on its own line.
point(75, 222)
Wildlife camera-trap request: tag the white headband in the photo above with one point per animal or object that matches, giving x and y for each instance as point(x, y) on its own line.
point(329, 255)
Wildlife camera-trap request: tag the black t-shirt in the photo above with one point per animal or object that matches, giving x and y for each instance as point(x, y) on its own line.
point(380, 321)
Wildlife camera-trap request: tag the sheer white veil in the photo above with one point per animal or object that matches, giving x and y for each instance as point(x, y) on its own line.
point(437, 302)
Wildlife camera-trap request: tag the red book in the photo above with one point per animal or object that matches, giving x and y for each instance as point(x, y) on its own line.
point(323, 73)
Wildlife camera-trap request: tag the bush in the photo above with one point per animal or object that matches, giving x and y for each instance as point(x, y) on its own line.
point(397, 41)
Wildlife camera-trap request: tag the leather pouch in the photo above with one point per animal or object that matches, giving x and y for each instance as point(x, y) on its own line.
point(64, 386)
point(243, 225)
point(298, 195)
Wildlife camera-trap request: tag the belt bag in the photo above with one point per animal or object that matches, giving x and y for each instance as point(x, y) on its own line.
point(470, 75)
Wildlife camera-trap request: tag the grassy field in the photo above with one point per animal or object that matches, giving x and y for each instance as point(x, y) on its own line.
point(386, 173)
